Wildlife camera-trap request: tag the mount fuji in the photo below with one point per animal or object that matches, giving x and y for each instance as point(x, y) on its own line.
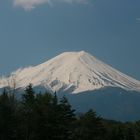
point(86, 81)
point(74, 71)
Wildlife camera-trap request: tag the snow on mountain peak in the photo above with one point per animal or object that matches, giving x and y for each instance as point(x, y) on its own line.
point(75, 71)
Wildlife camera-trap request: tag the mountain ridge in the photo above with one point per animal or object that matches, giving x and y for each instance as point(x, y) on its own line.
point(78, 71)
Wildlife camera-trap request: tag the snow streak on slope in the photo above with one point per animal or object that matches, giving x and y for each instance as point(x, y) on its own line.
point(75, 71)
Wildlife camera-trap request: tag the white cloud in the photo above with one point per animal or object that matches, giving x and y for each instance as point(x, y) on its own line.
point(30, 4)
point(138, 19)
point(75, 1)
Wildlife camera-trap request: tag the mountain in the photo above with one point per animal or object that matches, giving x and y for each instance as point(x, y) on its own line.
point(86, 81)
point(73, 71)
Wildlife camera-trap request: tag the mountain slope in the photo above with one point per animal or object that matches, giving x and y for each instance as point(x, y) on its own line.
point(110, 103)
point(74, 71)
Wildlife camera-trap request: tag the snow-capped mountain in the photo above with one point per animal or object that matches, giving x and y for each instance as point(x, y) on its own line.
point(75, 71)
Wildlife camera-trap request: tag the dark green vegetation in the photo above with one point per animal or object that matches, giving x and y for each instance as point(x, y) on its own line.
point(45, 117)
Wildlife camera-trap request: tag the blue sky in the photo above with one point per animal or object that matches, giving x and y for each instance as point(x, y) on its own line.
point(32, 31)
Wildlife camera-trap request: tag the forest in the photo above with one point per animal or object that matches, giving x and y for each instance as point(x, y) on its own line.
point(43, 116)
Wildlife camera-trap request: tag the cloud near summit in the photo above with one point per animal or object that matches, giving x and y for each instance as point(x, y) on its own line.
point(30, 4)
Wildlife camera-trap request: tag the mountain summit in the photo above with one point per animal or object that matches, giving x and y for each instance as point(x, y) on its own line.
point(74, 71)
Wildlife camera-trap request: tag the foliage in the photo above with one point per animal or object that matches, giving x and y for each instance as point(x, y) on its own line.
point(45, 117)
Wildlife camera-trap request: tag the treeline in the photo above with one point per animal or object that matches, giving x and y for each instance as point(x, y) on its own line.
point(45, 117)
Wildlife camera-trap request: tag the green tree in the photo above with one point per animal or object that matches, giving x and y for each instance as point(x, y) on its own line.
point(44, 116)
point(27, 114)
point(118, 133)
point(89, 127)
point(8, 122)
point(137, 130)
point(66, 119)
point(130, 134)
